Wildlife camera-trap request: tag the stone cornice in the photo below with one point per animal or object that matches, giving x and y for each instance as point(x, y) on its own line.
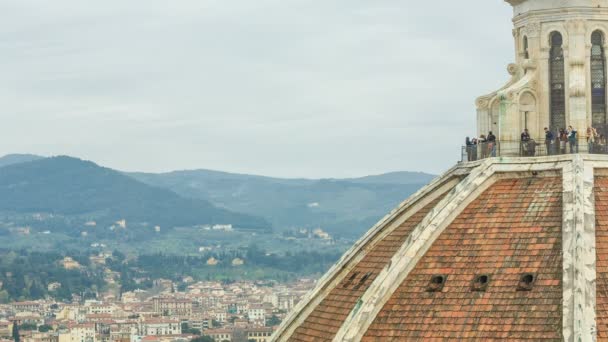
point(560, 14)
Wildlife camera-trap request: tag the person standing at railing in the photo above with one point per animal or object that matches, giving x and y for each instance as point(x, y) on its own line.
point(482, 144)
point(469, 147)
point(563, 140)
point(474, 148)
point(549, 141)
point(572, 140)
point(492, 144)
point(591, 133)
point(525, 141)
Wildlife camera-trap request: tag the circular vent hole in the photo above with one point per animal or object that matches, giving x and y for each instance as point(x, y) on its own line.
point(438, 280)
point(526, 282)
point(527, 279)
point(436, 283)
point(482, 280)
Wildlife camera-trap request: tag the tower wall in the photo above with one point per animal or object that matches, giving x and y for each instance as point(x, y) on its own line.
point(525, 101)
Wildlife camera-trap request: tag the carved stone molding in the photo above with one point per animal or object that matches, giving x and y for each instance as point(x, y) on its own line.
point(529, 64)
point(533, 84)
point(532, 30)
point(576, 26)
point(513, 69)
point(577, 89)
point(512, 95)
point(482, 103)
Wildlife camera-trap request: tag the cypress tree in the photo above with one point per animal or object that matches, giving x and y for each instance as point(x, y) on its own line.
point(16, 336)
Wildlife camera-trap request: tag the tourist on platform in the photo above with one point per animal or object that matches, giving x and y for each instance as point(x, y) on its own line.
point(469, 148)
point(591, 136)
point(474, 148)
point(492, 144)
point(572, 140)
point(596, 138)
point(525, 135)
point(563, 140)
point(531, 148)
point(525, 143)
point(482, 144)
point(549, 141)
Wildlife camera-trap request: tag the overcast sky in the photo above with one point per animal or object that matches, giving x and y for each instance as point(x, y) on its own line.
point(292, 88)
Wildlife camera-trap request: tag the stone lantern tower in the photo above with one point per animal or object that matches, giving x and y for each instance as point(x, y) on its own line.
point(559, 75)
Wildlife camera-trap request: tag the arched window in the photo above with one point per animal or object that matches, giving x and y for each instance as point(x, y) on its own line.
point(598, 81)
point(557, 76)
point(526, 53)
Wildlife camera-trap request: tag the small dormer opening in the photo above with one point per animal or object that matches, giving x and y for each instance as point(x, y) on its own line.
point(480, 282)
point(351, 279)
point(363, 280)
point(526, 282)
point(436, 283)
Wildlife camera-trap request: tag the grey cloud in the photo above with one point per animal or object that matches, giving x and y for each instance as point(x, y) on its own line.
point(279, 87)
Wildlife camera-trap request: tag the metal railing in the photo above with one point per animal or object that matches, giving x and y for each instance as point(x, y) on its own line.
point(530, 148)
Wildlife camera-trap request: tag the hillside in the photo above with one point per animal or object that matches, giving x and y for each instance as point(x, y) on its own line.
point(76, 191)
point(12, 159)
point(66, 192)
point(344, 207)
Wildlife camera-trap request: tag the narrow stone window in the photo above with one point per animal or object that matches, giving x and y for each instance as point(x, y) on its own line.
point(525, 45)
point(598, 82)
point(526, 282)
point(436, 283)
point(557, 83)
point(480, 282)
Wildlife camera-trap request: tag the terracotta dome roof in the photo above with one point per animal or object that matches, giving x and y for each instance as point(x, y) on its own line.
point(499, 249)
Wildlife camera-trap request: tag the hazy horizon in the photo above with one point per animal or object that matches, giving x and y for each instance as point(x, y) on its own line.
point(221, 171)
point(290, 89)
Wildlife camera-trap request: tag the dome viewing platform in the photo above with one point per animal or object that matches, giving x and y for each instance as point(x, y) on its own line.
point(475, 149)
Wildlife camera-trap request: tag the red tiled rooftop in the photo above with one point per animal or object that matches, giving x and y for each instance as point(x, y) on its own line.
point(601, 245)
point(513, 228)
point(326, 319)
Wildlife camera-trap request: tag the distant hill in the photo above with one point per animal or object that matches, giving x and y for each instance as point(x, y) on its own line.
point(77, 191)
point(345, 207)
point(11, 159)
point(74, 191)
point(402, 177)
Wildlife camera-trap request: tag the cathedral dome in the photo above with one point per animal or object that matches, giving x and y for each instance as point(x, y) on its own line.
point(512, 247)
point(504, 248)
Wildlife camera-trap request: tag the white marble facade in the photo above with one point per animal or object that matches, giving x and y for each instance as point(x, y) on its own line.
point(526, 100)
